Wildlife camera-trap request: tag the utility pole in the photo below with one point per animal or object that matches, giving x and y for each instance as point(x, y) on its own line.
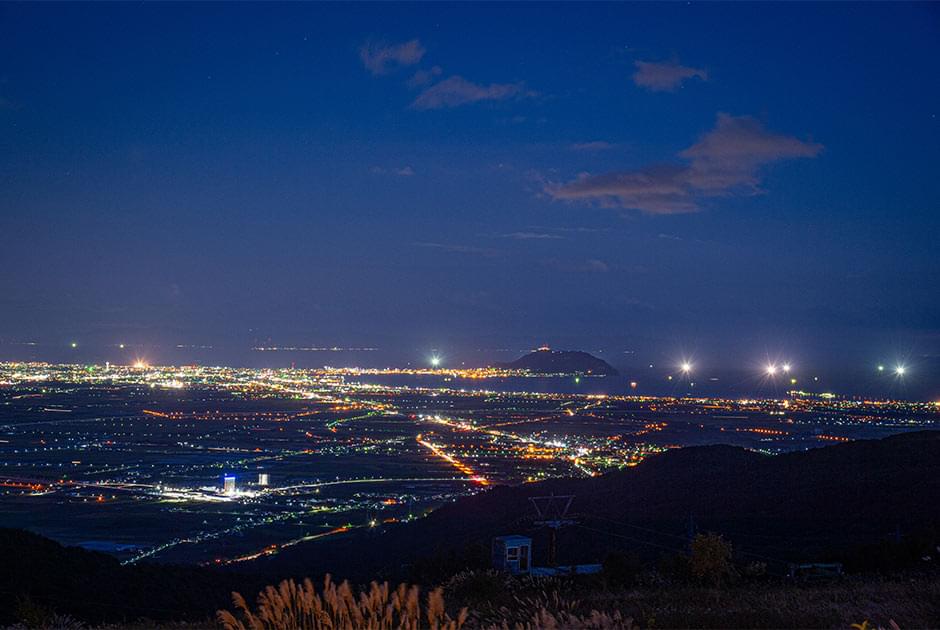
point(552, 512)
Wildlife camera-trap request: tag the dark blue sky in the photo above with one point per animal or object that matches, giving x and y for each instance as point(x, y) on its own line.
point(723, 181)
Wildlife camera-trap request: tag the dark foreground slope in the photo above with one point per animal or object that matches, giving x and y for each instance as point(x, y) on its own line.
point(821, 504)
point(846, 502)
point(39, 574)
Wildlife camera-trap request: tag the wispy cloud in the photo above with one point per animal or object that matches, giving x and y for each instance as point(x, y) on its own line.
point(665, 76)
point(591, 265)
point(569, 230)
point(459, 249)
point(382, 58)
point(725, 161)
point(423, 77)
point(660, 189)
point(403, 171)
point(595, 265)
point(595, 145)
point(531, 236)
point(730, 155)
point(455, 91)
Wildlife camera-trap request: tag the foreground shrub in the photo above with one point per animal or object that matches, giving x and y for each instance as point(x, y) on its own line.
point(710, 560)
point(299, 607)
point(547, 620)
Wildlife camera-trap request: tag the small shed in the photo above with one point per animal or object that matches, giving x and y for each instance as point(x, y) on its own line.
point(512, 553)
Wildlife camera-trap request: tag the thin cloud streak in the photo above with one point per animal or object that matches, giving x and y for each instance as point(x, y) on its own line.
point(591, 265)
point(530, 236)
point(596, 145)
point(456, 91)
point(459, 249)
point(403, 171)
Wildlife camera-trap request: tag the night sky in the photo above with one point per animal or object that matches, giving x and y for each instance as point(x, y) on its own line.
point(721, 182)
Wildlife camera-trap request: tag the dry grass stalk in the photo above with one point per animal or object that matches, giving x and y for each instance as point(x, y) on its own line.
point(292, 606)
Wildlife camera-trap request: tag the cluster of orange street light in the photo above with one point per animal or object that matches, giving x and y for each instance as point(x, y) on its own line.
point(453, 461)
point(833, 438)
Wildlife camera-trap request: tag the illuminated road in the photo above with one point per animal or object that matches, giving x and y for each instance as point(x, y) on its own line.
point(456, 463)
point(322, 484)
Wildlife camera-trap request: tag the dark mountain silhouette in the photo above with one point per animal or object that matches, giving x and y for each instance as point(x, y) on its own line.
point(546, 361)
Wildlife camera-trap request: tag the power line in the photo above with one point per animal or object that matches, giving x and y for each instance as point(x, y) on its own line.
point(645, 529)
point(630, 538)
point(660, 533)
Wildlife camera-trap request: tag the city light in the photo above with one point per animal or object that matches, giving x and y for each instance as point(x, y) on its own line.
point(497, 438)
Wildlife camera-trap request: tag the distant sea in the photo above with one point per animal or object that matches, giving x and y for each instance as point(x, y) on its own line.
point(652, 382)
point(920, 383)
